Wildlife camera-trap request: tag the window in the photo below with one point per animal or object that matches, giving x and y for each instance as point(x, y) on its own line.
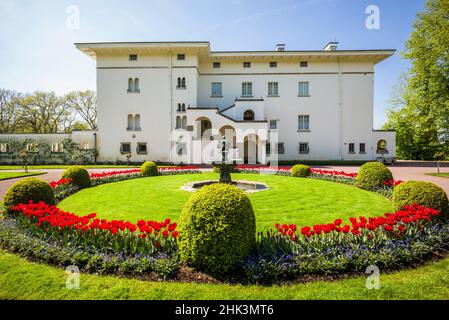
point(273, 64)
point(178, 122)
point(246, 64)
point(303, 64)
point(268, 148)
point(273, 124)
point(137, 122)
point(133, 85)
point(351, 148)
point(125, 147)
point(181, 56)
point(184, 123)
point(273, 89)
point(303, 89)
point(183, 107)
point(280, 148)
point(303, 122)
point(382, 147)
point(4, 148)
point(179, 108)
point(248, 115)
point(303, 147)
point(362, 148)
point(216, 65)
point(181, 84)
point(133, 57)
point(141, 148)
point(130, 122)
point(57, 147)
point(247, 89)
point(216, 89)
point(86, 145)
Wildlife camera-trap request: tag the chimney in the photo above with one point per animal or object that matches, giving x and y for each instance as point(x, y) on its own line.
point(331, 46)
point(280, 47)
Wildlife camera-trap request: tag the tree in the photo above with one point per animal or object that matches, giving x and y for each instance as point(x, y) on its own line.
point(85, 105)
point(422, 121)
point(9, 111)
point(43, 112)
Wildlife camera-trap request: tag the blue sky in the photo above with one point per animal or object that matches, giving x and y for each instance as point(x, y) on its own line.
point(37, 51)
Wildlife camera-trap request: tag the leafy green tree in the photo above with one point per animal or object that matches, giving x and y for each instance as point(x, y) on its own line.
point(420, 108)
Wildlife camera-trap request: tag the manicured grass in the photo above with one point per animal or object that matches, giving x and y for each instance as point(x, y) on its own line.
point(63, 166)
point(21, 279)
point(443, 174)
point(12, 175)
point(291, 200)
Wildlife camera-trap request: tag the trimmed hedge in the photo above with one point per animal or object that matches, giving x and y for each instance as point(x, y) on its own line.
point(420, 192)
point(300, 170)
point(149, 169)
point(28, 189)
point(217, 228)
point(372, 175)
point(79, 175)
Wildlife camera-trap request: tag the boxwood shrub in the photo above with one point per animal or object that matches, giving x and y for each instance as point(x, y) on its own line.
point(28, 189)
point(300, 170)
point(149, 169)
point(372, 175)
point(79, 175)
point(420, 192)
point(217, 228)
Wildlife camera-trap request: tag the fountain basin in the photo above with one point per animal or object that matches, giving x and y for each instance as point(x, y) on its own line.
point(247, 186)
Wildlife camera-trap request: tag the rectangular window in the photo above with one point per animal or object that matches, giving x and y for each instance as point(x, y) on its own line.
point(273, 124)
point(216, 89)
point(181, 56)
point(141, 148)
point(303, 64)
point(304, 122)
point(303, 147)
point(273, 89)
point(280, 148)
point(217, 65)
point(362, 148)
point(125, 147)
point(268, 148)
point(273, 64)
point(303, 89)
point(351, 148)
point(246, 64)
point(247, 89)
point(57, 148)
point(32, 147)
point(133, 57)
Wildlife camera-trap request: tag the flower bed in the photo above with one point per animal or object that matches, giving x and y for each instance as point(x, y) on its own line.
point(88, 231)
point(63, 187)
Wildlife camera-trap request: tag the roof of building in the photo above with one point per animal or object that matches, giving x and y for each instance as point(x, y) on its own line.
point(202, 49)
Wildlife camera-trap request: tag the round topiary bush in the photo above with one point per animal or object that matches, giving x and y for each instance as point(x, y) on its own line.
point(28, 189)
point(424, 193)
point(300, 170)
point(79, 176)
point(148, 169)
point(372, 175)
point(217, 228)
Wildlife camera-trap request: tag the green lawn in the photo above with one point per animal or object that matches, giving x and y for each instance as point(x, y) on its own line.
point(291, 200)
point(443, 174)
point(63, 166)
point(21, 279)
point(12, 175)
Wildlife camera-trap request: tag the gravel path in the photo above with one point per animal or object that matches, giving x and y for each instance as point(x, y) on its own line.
point(403, 170)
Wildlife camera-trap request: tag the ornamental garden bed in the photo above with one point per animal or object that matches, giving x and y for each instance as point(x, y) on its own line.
point(307, 227)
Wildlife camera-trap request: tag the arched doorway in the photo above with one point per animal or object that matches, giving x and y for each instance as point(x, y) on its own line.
point(251, 149)
point(203, 128)
point(248, 115)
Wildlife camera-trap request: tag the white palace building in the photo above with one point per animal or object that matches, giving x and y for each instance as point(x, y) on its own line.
point(174, 101)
